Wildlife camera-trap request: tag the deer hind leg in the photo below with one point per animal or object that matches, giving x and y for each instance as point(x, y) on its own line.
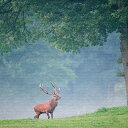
point(37, 115)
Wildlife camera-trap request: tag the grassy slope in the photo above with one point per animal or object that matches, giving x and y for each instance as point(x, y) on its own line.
point(116, 117)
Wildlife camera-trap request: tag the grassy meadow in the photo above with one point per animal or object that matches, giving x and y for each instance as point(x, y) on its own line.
point(116, 117)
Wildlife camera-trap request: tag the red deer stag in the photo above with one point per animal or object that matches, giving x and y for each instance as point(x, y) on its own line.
point(47, 107)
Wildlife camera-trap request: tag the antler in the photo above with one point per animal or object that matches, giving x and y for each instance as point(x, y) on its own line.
point(57, 90)
point(44, 90)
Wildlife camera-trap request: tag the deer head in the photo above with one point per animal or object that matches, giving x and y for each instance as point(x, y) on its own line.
point(54, 94)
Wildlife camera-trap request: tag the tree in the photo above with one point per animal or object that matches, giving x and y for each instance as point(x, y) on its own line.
point(67, 25)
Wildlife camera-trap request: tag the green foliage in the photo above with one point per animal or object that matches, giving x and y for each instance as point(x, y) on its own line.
point(67, 24)
point(119, 61)
point(120, 74)
point(102, 110)
point(34, 65)
point(114, 118)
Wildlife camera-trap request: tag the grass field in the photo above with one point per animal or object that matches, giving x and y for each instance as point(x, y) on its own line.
point(116, 117)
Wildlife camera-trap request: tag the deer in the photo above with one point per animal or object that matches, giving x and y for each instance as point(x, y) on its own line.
point(47, 107)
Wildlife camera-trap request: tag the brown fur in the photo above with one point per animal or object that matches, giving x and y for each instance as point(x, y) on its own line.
point(47, 107)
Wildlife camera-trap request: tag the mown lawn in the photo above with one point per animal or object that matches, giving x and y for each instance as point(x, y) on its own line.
point(116, 117)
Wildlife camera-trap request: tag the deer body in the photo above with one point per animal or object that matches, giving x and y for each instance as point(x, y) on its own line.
point(47, 107)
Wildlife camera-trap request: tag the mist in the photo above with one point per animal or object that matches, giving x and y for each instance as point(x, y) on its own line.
point(88, 80)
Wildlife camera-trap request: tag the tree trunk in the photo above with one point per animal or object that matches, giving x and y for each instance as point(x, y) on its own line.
point(124, 53)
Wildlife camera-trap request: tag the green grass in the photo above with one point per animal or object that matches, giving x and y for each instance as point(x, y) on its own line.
point(116, 117)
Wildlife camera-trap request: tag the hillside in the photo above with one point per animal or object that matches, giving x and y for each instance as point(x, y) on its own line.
point(116, 117)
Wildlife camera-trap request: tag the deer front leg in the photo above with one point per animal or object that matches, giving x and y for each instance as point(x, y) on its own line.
point(52, 115)
point(48, 115)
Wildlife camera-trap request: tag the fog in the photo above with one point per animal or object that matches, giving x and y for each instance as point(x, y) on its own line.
point(88, 80)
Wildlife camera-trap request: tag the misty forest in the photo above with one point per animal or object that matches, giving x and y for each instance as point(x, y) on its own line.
point(81, 45)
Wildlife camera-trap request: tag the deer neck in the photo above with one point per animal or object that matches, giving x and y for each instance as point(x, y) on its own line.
point(53, 102)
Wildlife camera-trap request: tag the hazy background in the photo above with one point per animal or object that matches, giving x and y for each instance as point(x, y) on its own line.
point(88, 80)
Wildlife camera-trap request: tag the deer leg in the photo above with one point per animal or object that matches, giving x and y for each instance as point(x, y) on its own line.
point(37, 115)
point(52, 115)
point(48, 115)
